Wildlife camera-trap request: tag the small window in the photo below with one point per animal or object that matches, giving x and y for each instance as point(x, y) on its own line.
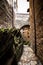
point(27, 0)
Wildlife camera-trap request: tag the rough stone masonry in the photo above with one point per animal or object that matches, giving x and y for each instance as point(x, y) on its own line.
point(36, 24)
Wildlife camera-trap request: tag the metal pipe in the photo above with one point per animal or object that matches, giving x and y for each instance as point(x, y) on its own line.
point(34, 26)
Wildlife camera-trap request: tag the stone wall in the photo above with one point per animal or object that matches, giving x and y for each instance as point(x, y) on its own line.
point(32, 34)
point(5, 14)
point(38, 4)
point(36, 15)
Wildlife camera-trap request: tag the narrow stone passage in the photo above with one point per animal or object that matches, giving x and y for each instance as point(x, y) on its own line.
point(28, 57)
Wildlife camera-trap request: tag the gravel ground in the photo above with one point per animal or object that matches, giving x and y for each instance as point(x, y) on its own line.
point(28, 57)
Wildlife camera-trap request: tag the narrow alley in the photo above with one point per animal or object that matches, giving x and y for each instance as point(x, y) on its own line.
point(21, 32)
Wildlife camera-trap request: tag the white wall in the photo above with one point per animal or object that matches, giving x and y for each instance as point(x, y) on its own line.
point(23, 5)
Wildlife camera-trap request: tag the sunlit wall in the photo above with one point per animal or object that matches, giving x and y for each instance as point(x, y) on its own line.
point(23, 5)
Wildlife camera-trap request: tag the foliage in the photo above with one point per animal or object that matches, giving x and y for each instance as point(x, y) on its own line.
point(27, 43)
point(18, 43)
point(6, 41)
point(10, 38)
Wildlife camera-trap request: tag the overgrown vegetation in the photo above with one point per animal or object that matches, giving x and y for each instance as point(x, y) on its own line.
point(11, 38)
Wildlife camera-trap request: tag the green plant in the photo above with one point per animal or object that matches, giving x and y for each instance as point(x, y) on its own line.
point(8, 38)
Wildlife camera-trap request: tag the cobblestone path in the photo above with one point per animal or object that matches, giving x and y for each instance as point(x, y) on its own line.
point(28, 57)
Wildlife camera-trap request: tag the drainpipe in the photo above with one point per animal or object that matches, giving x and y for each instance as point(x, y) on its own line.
point(34, 25)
